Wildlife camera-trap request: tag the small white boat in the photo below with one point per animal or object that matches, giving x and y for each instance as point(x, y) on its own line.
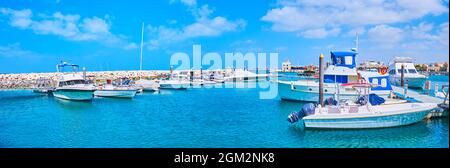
point(176, 81)
point(72, 86)
point(174, 84)
point(202, 82)
point(244, 75)
point(411, 76)
point(147, 85)
point(391, 115)
point(366, 112)
point(110, 90)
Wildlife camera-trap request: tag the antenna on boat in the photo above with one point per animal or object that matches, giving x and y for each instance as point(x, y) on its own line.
point(142, 45)
point(356, 43)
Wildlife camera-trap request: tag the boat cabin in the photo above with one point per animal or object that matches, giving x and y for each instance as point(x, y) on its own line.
point(378, 81)
point(396, 66)
point(342, 68)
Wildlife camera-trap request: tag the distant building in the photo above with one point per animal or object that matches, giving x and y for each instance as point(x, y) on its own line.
point(438, 67)
point(286, 66)
point(370, 65)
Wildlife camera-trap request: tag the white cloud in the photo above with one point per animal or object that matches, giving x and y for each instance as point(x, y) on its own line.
point(386, 35)
point(19, 18)
point(131, 46)
point(70, 27)
point(301, 15)
point(360, 30)
point(96, 25)
point(212, 27)
point(424, 41)
point(320, 33)
point(288, 19)
point(204, 26)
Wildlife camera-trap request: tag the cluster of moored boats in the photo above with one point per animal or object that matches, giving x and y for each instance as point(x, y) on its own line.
point(71, 85)
point(358, 99)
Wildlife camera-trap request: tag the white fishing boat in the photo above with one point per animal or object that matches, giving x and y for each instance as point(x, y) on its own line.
point(339, 78)
point(365, 114)
point(110, 90)
point(147, 85)
point(177, 82)
point(72, 86)
point(217, 77)
point(411, 76)
point(202, 82)
point(244, 75)
point(368, 116)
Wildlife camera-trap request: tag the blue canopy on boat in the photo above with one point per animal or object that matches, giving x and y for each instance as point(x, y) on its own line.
point(339, 58)
point(65, 64)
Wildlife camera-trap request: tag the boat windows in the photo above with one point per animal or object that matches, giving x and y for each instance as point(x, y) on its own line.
point(392, 72)
point(384, 82)
point(338, 60)
point(400, 71)
point(375, 81)
point(348, 60)
point(412, 71)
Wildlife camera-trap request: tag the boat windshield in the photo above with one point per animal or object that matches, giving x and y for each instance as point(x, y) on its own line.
point(412, 71)
point(73, 82)
point(400, 71)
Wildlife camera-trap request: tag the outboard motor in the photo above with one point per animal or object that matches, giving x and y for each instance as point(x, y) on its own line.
point(307, 109)
point(362, 100)
point(330, 102)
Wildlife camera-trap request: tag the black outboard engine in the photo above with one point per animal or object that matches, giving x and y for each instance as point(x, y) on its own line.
point(362, 100)
point(330, 102)
point(307, 109)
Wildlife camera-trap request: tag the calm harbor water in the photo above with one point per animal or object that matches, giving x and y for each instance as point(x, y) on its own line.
point(204, 117)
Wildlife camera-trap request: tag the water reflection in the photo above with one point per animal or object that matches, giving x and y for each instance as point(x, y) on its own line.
point(73, 105)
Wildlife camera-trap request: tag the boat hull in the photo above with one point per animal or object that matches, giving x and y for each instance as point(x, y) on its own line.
point(115, 93)
point(413, 82)
point(74, 94)
point(381, 116)
point(310, 93)
point(174, 86)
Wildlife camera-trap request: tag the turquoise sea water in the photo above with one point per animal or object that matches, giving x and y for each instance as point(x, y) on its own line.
point(204, 117)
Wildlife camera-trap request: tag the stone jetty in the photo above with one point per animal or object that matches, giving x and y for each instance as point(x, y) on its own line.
point(30, 80)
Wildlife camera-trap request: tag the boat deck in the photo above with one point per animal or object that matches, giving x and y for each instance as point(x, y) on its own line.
point(416, 96)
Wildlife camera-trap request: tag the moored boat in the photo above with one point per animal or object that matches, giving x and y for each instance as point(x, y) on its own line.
point(147, 85)
point(72, 86)
point(339, 78)
point(410, 74)
point(244, 75)
point(109, 90)
point(368, 111)
point(368, 116)
point(176, 81)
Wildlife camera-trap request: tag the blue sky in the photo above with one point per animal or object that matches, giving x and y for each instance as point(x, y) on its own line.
point(105, 35)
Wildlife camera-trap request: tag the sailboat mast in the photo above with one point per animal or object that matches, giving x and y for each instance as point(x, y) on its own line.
point(142, 45)
point(357, 42)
